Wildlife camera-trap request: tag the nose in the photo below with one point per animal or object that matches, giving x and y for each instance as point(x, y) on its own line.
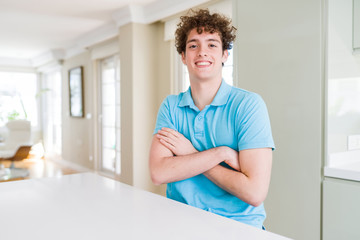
point(202, 52)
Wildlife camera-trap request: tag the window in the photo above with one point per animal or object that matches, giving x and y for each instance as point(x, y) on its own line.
point(18, 97)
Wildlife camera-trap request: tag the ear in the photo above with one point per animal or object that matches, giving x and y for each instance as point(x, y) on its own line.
point(225, 56)
point(183, 58)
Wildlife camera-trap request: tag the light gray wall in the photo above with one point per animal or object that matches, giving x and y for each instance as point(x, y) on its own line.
point(279, 55)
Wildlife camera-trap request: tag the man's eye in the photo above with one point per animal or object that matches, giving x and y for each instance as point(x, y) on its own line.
point(212, 45)
point(192, 46)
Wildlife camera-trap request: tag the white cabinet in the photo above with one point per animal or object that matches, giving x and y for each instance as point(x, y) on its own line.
point(341, 209)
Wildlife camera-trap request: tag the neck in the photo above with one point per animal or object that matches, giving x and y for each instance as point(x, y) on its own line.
point(203, 93)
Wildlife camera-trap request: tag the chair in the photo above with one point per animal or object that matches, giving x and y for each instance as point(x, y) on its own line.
point(16, 147)
point(21, 154)
point(18, 134)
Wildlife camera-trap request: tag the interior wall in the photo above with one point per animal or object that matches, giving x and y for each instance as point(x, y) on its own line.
point(77, 132)
point(145, 81)
point(145, 68)
point(126, 84)
point(165, 70)
point(145, 57)
point(164, 79)
point(279, 55)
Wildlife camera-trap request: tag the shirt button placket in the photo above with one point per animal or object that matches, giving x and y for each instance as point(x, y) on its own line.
point(199, 125)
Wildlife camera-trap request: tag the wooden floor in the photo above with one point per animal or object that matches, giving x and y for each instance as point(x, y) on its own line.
point(40, 168)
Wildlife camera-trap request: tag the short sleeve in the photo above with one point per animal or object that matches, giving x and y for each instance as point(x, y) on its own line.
point(164, 118)
point(254, 130)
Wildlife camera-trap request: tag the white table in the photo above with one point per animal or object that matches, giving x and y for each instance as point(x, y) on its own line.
point(88, 206)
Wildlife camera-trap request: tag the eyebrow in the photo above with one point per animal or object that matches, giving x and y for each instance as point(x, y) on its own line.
point(208, 40)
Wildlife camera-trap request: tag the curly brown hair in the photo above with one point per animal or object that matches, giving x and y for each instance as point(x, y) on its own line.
point(202, 20)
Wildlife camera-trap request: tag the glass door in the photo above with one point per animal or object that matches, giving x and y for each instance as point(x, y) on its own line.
point(109, 116)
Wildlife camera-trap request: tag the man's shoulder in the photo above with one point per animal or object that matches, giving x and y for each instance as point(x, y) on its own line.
point(242, 95)
point(171, 102)
point(173, 98)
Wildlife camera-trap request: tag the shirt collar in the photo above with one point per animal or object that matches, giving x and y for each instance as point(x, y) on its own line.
point(186, 99)
point(221, 96)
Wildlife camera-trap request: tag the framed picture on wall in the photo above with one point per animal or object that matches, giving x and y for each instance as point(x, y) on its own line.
point(76, 92)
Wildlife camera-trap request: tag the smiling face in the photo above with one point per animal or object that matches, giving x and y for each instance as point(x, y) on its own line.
point(204, 56)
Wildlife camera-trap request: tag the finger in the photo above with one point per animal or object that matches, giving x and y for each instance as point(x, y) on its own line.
point(166, 129)
point(175, 133)
point(163, 133)
point(167, 134)
point(166, 139)
point(167, 145)
point(171, 131)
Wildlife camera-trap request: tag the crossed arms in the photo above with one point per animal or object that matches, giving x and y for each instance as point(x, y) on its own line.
point(173, 158)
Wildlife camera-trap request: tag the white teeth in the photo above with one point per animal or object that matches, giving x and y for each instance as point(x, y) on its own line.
point(203, 63)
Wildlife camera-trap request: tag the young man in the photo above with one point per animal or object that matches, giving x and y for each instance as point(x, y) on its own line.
point(212, 143)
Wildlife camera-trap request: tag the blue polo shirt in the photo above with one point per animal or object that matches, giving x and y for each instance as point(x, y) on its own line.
point(236, 118)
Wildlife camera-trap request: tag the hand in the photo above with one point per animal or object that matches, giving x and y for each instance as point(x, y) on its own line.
point(232, 158)
point(175, 142)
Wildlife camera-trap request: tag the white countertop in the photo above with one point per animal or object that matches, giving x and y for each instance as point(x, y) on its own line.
point(344, 165)
point(349, 171)
point(88, 206)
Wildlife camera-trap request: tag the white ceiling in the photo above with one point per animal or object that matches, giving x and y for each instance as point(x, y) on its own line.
point(30, 28)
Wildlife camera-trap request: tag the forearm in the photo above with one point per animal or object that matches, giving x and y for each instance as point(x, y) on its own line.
point(176, 168)
point(249, 180)
point(252, 190)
